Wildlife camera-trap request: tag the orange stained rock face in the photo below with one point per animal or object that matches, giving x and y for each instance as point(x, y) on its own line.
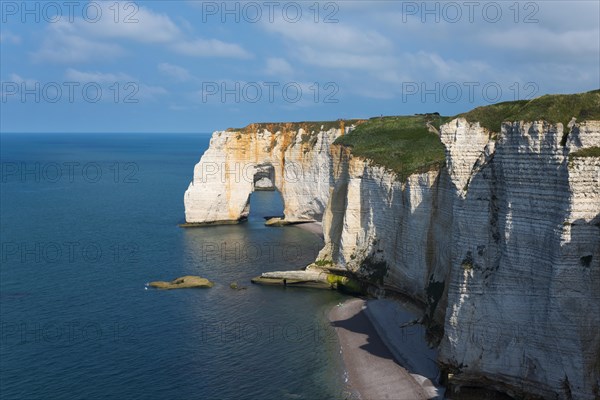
point(249, 146)
point(234, 154)
point(230, 212)
point(272, 144)
point(340, 155)
point(246, 147)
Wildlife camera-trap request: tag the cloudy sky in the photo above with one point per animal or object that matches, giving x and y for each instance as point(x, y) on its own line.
point(198, 66)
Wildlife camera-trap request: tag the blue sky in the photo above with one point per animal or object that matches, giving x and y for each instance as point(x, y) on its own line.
point(192, 66)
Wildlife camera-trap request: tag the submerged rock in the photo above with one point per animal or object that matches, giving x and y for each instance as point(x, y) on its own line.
point(277, 221)
point(312, 277)
point(235, 286)
point(185, 282)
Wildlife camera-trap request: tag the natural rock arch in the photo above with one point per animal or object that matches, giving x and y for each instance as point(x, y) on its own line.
point(295, 162)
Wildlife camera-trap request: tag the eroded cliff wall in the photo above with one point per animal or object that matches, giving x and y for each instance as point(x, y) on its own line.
point(393, 234)
point(524, 289)
point(295, 159)
point(502, 247)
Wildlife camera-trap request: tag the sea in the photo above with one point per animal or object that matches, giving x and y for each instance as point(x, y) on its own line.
point(87, 220)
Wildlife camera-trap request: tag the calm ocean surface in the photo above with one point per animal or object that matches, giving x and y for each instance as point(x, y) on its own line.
point(87, 221)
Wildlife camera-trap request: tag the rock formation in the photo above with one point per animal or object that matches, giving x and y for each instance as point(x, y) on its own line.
point(292, 158)
point(500, 247)
point(507, 237)
point(523, 291)
point(185, 282)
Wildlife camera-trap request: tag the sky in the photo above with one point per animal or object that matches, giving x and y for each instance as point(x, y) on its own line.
point(201, 66)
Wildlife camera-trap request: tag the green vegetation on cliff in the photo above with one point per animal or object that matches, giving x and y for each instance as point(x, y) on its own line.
point(409, 144)
point(311, 127)
point(404, 144)
point(551, 108)
point(587, 152)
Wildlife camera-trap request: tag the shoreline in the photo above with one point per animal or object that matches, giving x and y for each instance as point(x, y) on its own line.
point(313, 227)
point(370, 365)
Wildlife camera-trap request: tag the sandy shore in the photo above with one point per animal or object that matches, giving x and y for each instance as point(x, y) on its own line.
point(314, 227)
point(372, 370)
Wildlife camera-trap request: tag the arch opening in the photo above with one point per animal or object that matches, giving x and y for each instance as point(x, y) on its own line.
point(264, 178)
point(265, 201)
point(265, 204)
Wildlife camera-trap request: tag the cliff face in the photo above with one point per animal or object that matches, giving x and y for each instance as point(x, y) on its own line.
point(293, 160)
point(523, 294)
point(391, 233)
point(501, 247)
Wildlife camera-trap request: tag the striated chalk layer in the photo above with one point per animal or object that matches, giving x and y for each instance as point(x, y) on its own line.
point(523, 297)
point(500, 247)
point(294, 161)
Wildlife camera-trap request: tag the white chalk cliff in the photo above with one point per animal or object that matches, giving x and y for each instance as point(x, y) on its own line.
point(501, 246)
point(294, 158)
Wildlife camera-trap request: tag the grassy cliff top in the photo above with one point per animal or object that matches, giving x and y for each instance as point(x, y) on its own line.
point(308, 126)
point(406, 145)
point(551, 108)
point(403, 144)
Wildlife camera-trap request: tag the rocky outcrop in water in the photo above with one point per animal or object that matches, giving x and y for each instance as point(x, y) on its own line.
point(292, 158)
point(185, 282)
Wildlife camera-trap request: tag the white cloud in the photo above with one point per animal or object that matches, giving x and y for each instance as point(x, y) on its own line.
point(561, 16)
point(341, 60)
point(83, 41)
point(210, 48)
point(16, 78)
point(62, 45)
point(278, 67)
point(343, 38)
point(14, 94)
point(539, 41)
point(98, 77)
point(143, 25)
point(130, 86)
point(148, 92)
point(435, 66)
point(338, 47)
point(7, 37)
point(176, 107)
point(174, 71)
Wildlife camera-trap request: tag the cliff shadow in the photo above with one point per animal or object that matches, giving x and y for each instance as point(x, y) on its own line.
point(360, 325)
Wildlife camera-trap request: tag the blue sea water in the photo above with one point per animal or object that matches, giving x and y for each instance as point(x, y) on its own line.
point(86, 221)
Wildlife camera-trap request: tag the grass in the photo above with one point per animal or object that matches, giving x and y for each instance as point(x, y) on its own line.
point(551, 108)
point(403, 144)
point(345, 284)
point(309, 126)
point(587, 152)
point(323, 263)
